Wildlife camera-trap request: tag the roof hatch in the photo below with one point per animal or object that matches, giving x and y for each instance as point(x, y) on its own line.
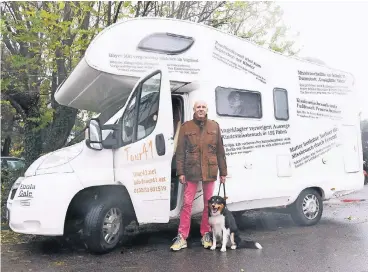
point(166, 43)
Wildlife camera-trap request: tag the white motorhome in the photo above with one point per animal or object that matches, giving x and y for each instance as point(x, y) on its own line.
point(290, 127)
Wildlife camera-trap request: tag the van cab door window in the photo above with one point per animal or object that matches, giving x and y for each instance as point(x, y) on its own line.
point(141, 114)
point(148, 106)
point(128, 121)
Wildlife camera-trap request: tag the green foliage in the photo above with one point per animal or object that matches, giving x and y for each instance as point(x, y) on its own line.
point(43, 41)
point(7, 180)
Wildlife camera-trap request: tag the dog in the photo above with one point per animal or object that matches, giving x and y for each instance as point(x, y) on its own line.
point(224, 226)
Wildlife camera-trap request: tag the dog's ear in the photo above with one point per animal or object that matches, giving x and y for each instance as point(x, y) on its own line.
point(222, 208)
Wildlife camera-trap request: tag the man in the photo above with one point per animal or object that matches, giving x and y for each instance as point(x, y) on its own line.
point(200, 155)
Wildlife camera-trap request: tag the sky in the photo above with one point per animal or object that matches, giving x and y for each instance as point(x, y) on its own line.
point(335, 32)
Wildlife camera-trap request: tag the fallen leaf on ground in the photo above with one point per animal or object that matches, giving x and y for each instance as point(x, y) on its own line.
point(59, 263)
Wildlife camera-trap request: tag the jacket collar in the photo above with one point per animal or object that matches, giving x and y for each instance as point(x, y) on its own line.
point(200, 123)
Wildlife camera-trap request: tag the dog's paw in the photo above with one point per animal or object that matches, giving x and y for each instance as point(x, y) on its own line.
point(213, 247)
point(233, 247)
point(223, 249)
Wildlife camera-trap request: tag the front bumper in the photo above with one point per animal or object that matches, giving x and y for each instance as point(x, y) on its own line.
point(40, 204)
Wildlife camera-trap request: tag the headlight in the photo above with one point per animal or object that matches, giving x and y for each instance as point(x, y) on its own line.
point(63, 168)
point(17, 183)
point(62, 156)
point(15, 187)
point(31, 171)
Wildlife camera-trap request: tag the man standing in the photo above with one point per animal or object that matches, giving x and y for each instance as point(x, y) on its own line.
point(200, 155)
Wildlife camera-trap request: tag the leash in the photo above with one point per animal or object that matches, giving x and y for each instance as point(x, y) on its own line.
point(225, 197)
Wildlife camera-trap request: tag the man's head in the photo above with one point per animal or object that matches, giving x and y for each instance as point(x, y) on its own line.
point(200, 109)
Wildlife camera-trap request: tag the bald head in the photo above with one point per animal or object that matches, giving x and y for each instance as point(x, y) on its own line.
point(200, 109)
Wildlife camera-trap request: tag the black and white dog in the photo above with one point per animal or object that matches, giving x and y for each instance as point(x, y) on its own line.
point(224, 226)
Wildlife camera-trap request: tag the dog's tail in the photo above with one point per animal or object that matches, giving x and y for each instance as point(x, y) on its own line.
point(249, 244)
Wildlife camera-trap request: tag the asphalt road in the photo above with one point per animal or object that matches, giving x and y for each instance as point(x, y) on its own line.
point(338, 243)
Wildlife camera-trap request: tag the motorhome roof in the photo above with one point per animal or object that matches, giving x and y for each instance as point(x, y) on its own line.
point(117, 57)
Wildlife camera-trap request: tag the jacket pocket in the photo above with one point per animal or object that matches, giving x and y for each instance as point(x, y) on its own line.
point(212, 167)
point(212, 149)
point(212, 137)
point(191, 140)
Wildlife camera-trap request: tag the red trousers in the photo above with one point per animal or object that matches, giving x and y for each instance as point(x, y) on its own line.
point(185, 216)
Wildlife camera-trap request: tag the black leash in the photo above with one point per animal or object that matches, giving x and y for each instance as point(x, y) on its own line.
point(224, 190)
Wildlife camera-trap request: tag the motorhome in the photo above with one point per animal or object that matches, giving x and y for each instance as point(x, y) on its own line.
point(290, 127)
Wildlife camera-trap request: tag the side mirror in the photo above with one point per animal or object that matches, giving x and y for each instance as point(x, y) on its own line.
point(114, 140)
point(94, 135)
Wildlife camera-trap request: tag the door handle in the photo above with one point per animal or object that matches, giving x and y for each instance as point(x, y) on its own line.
point(160, 144)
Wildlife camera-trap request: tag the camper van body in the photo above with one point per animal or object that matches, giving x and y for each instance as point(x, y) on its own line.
point(291, 134)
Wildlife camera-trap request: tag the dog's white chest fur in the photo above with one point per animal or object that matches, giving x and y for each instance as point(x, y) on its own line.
point(219, 231)
point(217, 223)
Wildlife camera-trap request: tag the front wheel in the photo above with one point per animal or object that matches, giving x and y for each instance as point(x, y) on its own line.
point(103, 225)
point(307, 209)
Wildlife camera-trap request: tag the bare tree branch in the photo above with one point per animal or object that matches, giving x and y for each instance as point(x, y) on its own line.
point(14, 103)
point(146, 5)
point(117, 10)
point(11, 12)
point(9, 45)
point(138, 9)
point(109, 3)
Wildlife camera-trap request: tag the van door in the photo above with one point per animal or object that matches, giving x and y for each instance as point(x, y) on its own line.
point(352, 160)
point(143, 163)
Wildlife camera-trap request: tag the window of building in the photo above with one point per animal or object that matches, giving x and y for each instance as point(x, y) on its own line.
point(238, 103)
point(281, 105)
point(166, 43)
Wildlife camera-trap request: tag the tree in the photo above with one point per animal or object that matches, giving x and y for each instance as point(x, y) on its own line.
point(43, 41)
point(259, 22)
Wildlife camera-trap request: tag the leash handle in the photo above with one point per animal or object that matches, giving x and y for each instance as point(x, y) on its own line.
point(224, 190)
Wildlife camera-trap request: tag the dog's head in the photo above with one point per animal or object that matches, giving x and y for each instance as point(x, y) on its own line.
point(216, 205)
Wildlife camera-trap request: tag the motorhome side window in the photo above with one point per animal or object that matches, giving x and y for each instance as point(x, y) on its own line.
point(281, 105)
point(238, 103)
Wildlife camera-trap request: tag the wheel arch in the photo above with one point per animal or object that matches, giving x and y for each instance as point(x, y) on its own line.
point(82, 200)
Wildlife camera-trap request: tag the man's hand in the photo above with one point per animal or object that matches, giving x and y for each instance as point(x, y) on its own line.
point(222, 179)
point(182, 179)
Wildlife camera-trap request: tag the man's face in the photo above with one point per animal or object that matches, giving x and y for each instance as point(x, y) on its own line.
point(200, 109)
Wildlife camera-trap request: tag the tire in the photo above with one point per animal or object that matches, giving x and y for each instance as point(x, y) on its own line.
point(365, 180)
point(313, 201)
point(94, 233)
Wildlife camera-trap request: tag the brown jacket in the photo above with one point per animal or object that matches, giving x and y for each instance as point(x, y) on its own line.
point(200, 152)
